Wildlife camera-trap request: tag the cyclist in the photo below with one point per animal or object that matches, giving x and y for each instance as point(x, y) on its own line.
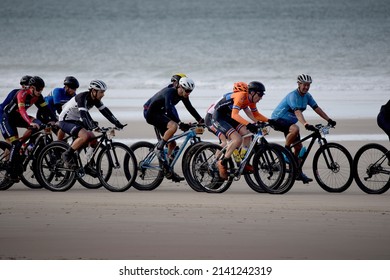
point(58, 97)
point(290, 111)
point(383, 118)
point(160, 112)
point(75, 119)
point(228, 120)
point(23, 83)
point(14, 115)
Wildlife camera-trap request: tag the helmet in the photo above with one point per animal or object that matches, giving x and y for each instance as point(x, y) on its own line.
point(176, 77)
point(98, 85)
point(303, 78)
point(24, 80)
point(240, 86)
point(71, 82)
point(187, 83)
point(37, 82)
point(256, 87)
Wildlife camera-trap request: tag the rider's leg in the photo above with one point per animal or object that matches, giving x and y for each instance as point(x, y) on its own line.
point(291, 137)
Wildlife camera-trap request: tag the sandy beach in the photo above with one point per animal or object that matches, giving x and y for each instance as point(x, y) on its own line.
point(174, 222)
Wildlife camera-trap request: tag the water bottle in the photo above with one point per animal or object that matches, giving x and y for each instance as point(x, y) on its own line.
point(243, 152)
point(88, 153)
point(302, 152)
point(28, 149)
point(236, 156)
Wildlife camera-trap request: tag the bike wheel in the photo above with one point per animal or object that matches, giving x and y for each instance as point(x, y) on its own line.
point(28, 176)
point(371, 168)
point(50, 171)
point(149, 173)
point(205, 172)
point(250, 179)
point(5, 149)
point(187, 163)
point(270, 169)
point(89, 181)
point(116, 166)
point(332, 167)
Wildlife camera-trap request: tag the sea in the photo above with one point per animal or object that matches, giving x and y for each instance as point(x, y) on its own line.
point(135, 46)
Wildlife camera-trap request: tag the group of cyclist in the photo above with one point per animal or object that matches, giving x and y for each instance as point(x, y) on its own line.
point(73, 117)
point(70, 111)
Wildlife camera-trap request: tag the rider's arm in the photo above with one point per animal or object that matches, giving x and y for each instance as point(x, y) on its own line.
point(238, 104)
point(21, 99)
point(300, 117)
point(42, 105)
point(258, 116)
point(192, 110)
point(108, 114)
point(321, 113)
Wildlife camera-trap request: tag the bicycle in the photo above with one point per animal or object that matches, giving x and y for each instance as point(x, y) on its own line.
point(150, 170)
point(332, 163)
point(113, 163)
point(371, 168)
point(271, 172)
point(29, 152)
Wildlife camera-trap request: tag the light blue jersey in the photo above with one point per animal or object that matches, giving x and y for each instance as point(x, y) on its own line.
point(292, 102)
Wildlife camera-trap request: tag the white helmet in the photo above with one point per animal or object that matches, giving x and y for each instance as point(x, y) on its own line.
point(187, 83)
point(303, 78)
point(98, 85)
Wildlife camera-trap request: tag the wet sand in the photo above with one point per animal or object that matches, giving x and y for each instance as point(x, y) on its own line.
point(174, 222)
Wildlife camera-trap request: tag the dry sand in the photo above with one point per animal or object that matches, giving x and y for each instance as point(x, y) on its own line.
point(174, 222)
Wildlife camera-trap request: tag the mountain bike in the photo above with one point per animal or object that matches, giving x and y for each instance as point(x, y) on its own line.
point(371, 168)
point(31, 147)
point(332, 162)
point(270, 170)
point(113, 163)
point(151, 172)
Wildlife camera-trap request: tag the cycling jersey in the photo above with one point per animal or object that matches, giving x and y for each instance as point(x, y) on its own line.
point(56, 99)
point(231, 104)
point(163, 103)
point(20, 101)
point(292, 102)
point(76, 109)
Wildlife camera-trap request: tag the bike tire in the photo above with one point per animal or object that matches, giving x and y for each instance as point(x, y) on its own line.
point(205, 172)
point(50, 171)
point(116, 166)
point(5, 149)
point(187, 160)
point(28, 176)
point(250, 179)
point(339, 176)
point(149, 176)
point(270, 169)
point(371, 175)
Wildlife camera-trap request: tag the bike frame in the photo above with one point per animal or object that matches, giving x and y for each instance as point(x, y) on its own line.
point(316, 135)
point(189, 135)
point(258, 139)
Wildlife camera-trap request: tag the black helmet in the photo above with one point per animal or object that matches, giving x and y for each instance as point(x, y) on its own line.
point(24, 80)
point(71, 82)
point(37, 82)
point(256, 87)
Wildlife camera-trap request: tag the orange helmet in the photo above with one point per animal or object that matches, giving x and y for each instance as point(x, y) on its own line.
point(240, 86)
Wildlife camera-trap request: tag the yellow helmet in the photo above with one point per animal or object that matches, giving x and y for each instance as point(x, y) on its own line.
point(176, 77)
